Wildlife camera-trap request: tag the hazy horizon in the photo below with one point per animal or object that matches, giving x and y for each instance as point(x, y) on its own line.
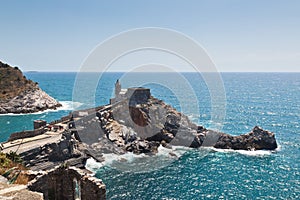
point(239, 36)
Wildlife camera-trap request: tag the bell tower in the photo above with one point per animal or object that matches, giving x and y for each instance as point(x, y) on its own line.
point(117, 88)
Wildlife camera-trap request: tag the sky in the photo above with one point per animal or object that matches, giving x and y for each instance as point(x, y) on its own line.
point(239, 36)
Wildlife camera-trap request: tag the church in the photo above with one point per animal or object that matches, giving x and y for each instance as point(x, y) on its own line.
point(135, 95)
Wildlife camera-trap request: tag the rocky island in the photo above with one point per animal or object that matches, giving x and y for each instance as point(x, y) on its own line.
point(20, 95)
point(133, 121)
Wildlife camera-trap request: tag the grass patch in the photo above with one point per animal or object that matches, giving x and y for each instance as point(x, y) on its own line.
point(11, 168)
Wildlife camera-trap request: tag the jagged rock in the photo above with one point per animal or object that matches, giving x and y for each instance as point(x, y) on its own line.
point(20, 95)
point(152, 122)
point(142, 146)
point(257, 139)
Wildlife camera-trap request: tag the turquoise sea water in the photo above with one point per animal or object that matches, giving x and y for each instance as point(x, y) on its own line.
point(270, 100)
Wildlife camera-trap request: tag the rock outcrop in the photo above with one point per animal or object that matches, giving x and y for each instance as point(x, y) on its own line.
point(138, 125)
point(133, 122)
point(137, 122)
point(257, 139)
point(142, 127)
point(20, 95)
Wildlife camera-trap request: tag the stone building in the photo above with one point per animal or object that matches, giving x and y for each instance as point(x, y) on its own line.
point(135, 95)
point(39, 123)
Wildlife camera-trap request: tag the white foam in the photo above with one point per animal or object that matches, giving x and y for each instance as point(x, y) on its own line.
point(93, 165)
point(245, 152)
point(278, 148)
point(271, 113)
point(66, 105)
point(19, 114)
point(69, 105)
point(142, 162)
point(279, 125)
point(129, 157)
point(138, 162)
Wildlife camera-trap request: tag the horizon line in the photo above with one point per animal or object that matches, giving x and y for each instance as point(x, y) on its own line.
point(37, 71)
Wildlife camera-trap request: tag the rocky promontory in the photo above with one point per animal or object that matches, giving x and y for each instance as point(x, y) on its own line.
point(133, 121)
point(20, 95)
point(137, 122)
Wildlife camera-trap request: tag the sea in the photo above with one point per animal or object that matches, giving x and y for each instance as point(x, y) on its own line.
point(234, 103)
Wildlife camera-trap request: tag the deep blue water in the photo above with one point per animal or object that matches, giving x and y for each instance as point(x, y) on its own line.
point(270, 100)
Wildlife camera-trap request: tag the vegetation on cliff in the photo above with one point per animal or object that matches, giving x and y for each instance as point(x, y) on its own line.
point(11, 167)
point(20, 95)
point(13, 82)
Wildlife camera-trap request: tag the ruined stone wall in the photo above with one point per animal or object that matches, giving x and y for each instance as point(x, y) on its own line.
point(68, 183)
point(26, 134)
point(61, 120)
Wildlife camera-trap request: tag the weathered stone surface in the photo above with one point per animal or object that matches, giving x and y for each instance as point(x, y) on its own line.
point(18, 192)
point(68, 149)
point(68, 183)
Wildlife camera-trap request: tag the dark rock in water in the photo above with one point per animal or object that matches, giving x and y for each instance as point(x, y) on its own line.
point(142, 146)
point(20, 95)
point(257, 139)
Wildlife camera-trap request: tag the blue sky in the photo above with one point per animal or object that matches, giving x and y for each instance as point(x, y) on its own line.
point(256, 35)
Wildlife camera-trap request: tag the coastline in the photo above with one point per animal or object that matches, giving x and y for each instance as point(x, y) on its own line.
point(66, 105)
point(230, 154)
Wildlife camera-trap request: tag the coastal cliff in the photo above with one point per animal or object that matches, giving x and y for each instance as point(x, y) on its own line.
point(141, 126)
point(20, 95)
point(134, 121)
point(137, 122)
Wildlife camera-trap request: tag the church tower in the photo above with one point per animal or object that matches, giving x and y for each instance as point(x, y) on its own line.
point(117, 88)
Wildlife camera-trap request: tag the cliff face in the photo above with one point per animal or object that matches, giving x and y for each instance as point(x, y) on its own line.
point(142, 127)
point(137, 122)
point(20, 95)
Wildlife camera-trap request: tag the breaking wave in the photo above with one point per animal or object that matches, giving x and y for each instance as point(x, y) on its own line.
point(247, 152)
point(66, 105)
point(130, 162)
point(69, 105)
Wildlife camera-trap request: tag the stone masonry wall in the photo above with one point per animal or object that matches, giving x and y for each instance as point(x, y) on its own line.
point(68, 183)
point(26, 134)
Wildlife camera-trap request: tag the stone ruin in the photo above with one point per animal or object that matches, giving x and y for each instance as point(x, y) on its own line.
point(68, 183)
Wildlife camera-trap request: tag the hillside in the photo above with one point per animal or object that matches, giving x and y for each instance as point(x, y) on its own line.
point(13, 82)
point(20, 95)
